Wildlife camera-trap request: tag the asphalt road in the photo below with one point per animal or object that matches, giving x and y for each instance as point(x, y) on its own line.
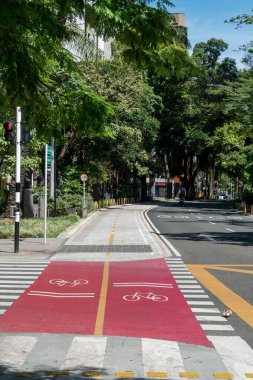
point(216, 243)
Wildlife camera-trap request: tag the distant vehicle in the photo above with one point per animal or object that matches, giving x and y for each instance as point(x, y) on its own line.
point(222, 195)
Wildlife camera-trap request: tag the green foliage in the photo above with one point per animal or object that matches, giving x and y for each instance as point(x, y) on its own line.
point(131, 130)
point(70, 203)
point(34, 228)
point(206, 54)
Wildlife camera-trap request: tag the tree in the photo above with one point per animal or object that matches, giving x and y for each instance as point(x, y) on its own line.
point(130, 132)
point(206, 54)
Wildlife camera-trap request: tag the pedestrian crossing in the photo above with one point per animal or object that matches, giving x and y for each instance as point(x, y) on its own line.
point(15, 278)
point(197, 299)
point(103, 357)
point(188, 215)
point(119, 357)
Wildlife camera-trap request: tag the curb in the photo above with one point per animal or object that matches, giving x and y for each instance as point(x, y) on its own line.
point(75, 227)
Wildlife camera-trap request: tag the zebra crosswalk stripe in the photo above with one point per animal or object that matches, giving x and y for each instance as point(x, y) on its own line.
point(198, 300)
point(162, 356)
point(15, 278)
point(167, 359)
point(236, 354)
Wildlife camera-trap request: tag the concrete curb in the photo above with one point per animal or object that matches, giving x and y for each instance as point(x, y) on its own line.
point(75, 227)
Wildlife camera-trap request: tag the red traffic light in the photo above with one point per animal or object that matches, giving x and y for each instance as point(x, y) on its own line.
point(9, 127)
point(9, 130)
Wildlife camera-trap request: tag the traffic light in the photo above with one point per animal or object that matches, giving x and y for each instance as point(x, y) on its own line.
point(9, 130)
point(25, 134)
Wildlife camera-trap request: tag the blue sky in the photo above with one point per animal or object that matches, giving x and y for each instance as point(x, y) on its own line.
point(205, 19)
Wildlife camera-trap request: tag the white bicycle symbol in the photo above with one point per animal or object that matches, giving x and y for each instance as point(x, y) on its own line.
point(61, 282)
point(149, 296)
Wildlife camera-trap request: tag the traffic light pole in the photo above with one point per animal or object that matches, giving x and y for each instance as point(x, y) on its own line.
point(18, 166)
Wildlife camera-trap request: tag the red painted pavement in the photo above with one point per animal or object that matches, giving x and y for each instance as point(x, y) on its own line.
point(65, 309)
point(147, 318)
point(143, 300)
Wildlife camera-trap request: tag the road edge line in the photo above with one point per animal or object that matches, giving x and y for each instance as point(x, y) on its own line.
point(158, 233)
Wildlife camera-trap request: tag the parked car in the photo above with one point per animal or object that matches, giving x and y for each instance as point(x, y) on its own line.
point(222, 195)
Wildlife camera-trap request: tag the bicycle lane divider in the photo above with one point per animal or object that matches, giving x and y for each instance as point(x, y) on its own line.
point(64, 299)
point(102, 301)
point(143, 300)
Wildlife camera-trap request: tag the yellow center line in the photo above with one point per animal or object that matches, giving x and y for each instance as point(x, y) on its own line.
point(102, 301)
point(111, 239)
point(242, 308)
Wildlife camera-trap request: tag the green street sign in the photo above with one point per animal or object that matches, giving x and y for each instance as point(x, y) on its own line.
point(49, 156)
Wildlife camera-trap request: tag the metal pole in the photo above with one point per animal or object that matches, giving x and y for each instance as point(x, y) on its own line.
point(52, 180)
point(84, 201)
point(18, 165)
point(45, 199)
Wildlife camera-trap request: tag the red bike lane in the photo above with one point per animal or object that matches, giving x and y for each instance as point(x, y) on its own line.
point(131, 299)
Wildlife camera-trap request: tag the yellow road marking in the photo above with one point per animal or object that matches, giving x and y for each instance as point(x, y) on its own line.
point(229, 269)
point(58, 373)
point(25, 374)
point(236, 303)
point(158, 374)
point(221, 375)
point(189, 374)
point(102, 301)
point(124, 374)
point(92, 373)
point(111, 238)
point(249, 375)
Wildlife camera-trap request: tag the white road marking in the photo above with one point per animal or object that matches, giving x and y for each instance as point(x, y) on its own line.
point(21, 287)
point(17, 272)
point(192, 291)
point(166, 242)
point(185, 277)
point(15, 349)
point(210, 318)
point(6, 303)
point(216, 327)
point(15, 282)
point(236, 354)
point(86, 352)
point(9, 297)
point(148, 284)
point(212, 223)
point(208, 237)
point(179, 271)
point(19, 277)
point(199, 217)
point(187, 282)
point(6, 291)
point(205, 310)
point(196, 296)
point(189, 286)
point(177, 260)
point(228, 229)
point(200, 303)
point(162, 356)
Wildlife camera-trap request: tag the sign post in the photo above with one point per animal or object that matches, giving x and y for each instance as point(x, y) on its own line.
point(83, 178)
point(45, 200)
point(18, 169)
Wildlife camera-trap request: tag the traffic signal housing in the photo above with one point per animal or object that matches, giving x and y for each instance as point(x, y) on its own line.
point(9, 130)
point(25, 134)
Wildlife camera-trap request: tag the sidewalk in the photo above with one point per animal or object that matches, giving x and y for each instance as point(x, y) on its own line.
point(35, 247)
point(101, 223)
